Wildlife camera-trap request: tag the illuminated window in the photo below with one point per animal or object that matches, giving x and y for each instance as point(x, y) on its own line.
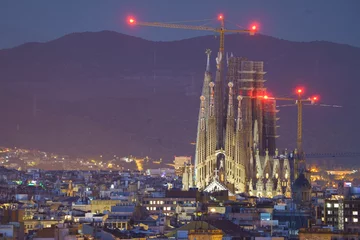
point(147, 208)
point(328, 205)
point(168, 208)
point(164, 208)
point(336, 205)
point(329, 212)
point(158, 202)
point(346, 220)
point(355, 220)
point(151, 202)
point(161, 202)
point(355, 213)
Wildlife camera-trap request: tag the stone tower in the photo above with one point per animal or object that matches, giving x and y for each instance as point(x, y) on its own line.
point(240, 137)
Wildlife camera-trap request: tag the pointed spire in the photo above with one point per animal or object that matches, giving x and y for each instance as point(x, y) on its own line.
point(227, 58)
point(212, 101)
point(218, 60)
point(230, 103)
point(239, 118)
point(202, 119)
point(208, 53)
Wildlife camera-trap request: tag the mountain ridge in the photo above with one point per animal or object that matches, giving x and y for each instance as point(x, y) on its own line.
point(108, 70)
point(126, 35)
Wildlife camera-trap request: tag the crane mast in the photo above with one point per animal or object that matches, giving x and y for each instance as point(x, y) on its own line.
point(299, 102)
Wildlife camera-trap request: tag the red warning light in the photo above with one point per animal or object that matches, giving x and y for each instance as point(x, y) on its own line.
point(266, 97)
point(221, 17)
point(299, 90)
point(131, 20)
point(253, 29)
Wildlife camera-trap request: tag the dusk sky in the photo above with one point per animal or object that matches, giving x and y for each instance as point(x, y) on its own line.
point(306, 20)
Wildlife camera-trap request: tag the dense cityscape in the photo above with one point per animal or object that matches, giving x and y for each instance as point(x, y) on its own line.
point(238, 183)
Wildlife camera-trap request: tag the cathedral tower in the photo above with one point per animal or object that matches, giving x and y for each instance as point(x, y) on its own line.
point(238, 144)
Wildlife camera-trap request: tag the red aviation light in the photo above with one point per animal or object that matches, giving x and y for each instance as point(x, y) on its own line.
point(131, 20)
point(299, 91)
point(253, 29)
point(266, 97)
point(221, 17)
point(314, 99)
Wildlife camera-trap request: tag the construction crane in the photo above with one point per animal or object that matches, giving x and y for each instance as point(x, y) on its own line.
point(299, 102)
point(222, 30)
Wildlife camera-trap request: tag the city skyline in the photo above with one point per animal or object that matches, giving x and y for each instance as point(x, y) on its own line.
point(113, 128)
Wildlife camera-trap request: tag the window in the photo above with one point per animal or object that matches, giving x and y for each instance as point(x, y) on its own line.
point(329, 212)
point(346, 220)
point(355, 213)
point(151, 202)
point(164, 208)
point(336, 205)
point(328, 205)
point(168, 208)
point(355, 220)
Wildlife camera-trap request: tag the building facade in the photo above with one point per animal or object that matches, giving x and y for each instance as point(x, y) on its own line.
point(236, 134)
point(342, 213)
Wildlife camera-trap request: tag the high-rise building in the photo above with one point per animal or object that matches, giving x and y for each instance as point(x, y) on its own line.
point(235, 145)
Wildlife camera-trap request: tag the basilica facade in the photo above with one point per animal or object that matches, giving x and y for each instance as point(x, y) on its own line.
point(235, 145)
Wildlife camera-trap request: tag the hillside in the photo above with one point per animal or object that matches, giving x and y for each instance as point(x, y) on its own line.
point(106, 92)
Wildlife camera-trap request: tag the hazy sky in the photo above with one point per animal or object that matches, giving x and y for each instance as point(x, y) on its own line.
point(302, 20)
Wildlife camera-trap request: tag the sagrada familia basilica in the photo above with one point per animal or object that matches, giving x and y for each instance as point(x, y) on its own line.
point(235, 145)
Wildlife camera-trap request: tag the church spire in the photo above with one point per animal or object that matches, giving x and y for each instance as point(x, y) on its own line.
point(211, 128)
point(230, 111)
point(202, 111)
point(229, 136)
point(239, 118)
point(208, 53)
point(200, 154)
point(240, 174)
point(212, 101)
